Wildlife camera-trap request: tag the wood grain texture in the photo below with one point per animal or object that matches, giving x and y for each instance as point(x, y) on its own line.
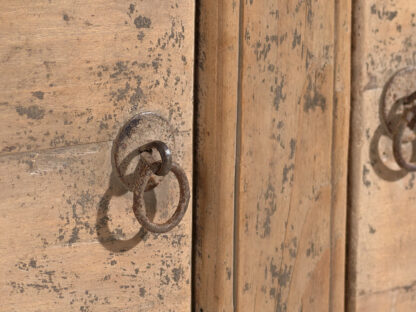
point(382, 271)
point(217, 73)
point(72, 74)
point(293, 164)
point(70, 240)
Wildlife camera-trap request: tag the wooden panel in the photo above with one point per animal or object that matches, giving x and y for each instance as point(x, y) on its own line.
point(382, 271)
point(72, 73)
point(294, 86)
point(70, 240)
point(216, 119)
point(293, 157)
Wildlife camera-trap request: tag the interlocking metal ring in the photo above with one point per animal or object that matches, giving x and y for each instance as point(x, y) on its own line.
point(165, 153)
point(133, 138)
point(145, 170)
point(139, 137)
point(397, 143)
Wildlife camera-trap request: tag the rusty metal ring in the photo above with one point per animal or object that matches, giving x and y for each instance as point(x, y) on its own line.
point(165, 155)
point(385, 117)
point(145, 172)
point(397, 148)
point(137, 132)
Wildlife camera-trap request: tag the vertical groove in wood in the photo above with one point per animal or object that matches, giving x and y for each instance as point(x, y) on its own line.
point(341, 123)
point(354, 173)
point(217, 72)
point(239, 134)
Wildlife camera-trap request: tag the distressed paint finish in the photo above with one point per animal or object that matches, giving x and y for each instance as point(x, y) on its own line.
point(287, 115)
point(71, 241)
point(382, 257)
point(293, 133)
point(72, 74)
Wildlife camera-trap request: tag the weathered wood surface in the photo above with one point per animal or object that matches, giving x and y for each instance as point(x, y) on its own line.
point(72, 74)
point(292, 170)
point(382, 257)
point(70, 240)
point(217, 77)
point(291, 141)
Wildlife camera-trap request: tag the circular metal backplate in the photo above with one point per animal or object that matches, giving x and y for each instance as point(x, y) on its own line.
point(138, 131)
point(401, 84)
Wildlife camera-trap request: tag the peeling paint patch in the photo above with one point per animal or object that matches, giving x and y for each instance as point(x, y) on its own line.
point(366, 171)
point(383, 13)
point(131, 8)
point(32, 112)
point(292, 148)
point(142, 22)
point(279, 96)
point(285, 176)
point(38, 94)
point(296, 39)
point(313, 98)
point(371, 229)
point(177, 274)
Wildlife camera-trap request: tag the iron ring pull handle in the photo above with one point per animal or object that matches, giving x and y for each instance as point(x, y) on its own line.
point(397, 148)
point(163, 167)
point(408, 119)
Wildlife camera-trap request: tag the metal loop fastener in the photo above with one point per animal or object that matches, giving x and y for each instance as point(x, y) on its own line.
point(137, 138)
point(144, 174)
point(397, 146)
point(398, 93)
point(133, 140)
point(165, 154)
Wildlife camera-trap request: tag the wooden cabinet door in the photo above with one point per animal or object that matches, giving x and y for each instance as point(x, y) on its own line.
point(71, 74)
point(382, 254)
point(273, 123)
point(276, 215)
